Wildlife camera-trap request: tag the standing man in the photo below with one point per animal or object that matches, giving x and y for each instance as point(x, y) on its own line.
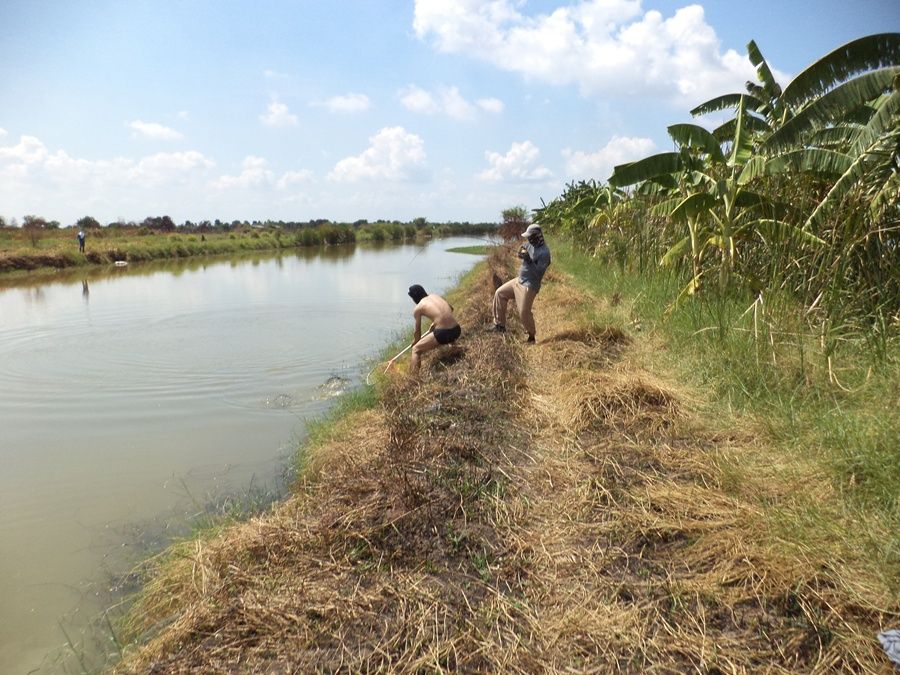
point(81, 241)
point(535, 258)
point(444, 327)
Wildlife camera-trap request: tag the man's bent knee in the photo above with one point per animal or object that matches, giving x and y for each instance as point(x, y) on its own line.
point(420, 348)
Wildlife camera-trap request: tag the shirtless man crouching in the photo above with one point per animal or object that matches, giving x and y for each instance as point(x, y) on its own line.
point(444, 327)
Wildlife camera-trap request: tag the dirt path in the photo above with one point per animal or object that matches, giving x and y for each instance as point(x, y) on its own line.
point(551, 508)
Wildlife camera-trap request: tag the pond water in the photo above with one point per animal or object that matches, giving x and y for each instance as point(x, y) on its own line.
point(131, 399)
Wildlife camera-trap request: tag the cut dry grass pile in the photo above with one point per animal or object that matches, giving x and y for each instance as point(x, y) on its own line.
point(551, 510)
point(609, 402)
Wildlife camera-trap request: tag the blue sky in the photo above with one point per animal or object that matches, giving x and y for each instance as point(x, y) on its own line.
point(349, 109)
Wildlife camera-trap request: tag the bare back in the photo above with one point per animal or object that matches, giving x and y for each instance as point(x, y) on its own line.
point(437, 309)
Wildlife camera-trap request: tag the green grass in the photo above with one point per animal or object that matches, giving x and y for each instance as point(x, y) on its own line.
point(765, 369)
point(472, 250)
point(327, 427)
point(57, 248)
point(57, 251)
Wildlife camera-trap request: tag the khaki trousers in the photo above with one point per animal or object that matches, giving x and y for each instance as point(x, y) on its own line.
point(524, 300)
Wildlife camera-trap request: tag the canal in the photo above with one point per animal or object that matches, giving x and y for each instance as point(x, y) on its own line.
point(136, 401)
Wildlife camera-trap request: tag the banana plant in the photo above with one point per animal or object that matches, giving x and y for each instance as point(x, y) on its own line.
point(846, 125)
point(582, 209)
point(714, 199)
point(828, 143)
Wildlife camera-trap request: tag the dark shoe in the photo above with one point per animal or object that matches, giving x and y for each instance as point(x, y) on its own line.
point(498, 328)
point(530, 340)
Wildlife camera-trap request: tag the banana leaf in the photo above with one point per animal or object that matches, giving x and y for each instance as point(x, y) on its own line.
point(755, 167)
point(690, 289)
point(778, 230)
point(833, 107)
point(694, 205)
point(813, 160)
point(858, 56)
point(676, 252)
point(772, 88)
point(742, 147)
point(725, 102)
point(694, 136)
point(646, 169)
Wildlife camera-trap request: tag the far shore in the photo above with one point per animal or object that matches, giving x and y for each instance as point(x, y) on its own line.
point(26, 253)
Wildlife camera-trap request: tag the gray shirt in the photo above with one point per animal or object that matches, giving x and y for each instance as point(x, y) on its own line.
point(533, 267)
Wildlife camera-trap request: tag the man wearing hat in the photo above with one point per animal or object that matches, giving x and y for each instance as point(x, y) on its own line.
point(535, 258)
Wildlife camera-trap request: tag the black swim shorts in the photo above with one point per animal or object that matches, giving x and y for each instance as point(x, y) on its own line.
point(445, 336)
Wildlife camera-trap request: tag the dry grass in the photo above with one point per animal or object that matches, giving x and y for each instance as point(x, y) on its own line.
point(550, 509)
point(664, 569)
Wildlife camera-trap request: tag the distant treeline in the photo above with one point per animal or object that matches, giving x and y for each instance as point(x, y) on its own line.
point(166, 224)
point(42, 244)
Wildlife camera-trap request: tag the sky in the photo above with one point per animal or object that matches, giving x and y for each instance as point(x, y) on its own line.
point(452, 110)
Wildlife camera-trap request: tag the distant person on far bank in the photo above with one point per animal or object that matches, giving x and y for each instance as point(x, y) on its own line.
point(80, 237)
point(444, 327)
point(524, 288)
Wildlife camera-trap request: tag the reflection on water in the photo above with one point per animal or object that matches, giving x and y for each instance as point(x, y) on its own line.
point(169, 390)
point(180, 266)
point(33, 295)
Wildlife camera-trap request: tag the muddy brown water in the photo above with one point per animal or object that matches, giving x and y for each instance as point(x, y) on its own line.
point(133, 400)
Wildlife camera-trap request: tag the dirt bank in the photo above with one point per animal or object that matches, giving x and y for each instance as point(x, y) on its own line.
point(522, 509)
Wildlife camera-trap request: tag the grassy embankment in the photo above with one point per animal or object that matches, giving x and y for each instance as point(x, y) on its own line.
point(627, 494)
point(57, 249)
point(472, 250)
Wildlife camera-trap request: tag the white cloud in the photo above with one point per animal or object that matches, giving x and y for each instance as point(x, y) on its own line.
point(278, 115)
point(292, 178)
point(491, 105)
point(446, 100)
point(393, 154)
point(455, 105)
point(34, 179)
point(155, 131)
point(254, 174)
point(520, 164)
point(270, 74)
point(165, 167)
point(29, 150)
point(418, 100)
point(348, 103)
point(183, 115)
point(30, 164)
point(602, 46)
point(599, 165)
point(2, 132)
